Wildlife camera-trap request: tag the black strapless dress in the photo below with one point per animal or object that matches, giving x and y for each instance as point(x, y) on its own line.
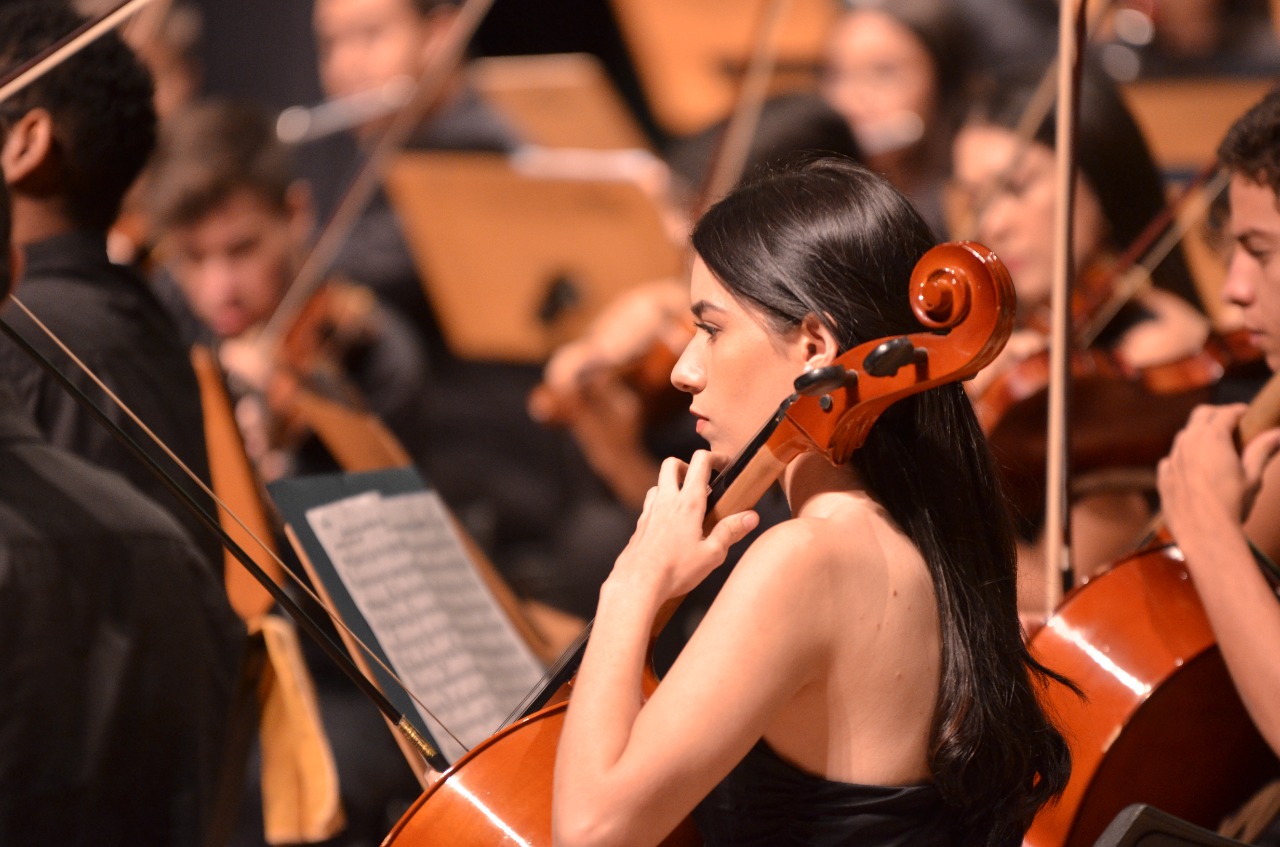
point(768, 801)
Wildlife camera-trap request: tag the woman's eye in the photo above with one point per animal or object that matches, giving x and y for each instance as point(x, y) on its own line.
point(708, 329)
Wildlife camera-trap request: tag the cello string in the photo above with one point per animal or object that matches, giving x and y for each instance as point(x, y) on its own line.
point(268, 583)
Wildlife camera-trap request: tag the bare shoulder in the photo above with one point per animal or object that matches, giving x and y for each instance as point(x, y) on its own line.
point(845, 550)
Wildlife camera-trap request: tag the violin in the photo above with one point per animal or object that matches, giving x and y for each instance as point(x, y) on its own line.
point(309, 361)
point(1108, 393)
point(1137, 642)
point(1108, 396)
point(501, 790)
point(646, 373)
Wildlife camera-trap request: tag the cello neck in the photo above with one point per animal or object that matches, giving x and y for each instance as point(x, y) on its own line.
point(1263, 412)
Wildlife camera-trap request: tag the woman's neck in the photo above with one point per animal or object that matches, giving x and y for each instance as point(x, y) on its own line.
point(811, 475)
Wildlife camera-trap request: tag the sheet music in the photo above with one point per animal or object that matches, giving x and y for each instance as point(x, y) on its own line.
point(441, 629)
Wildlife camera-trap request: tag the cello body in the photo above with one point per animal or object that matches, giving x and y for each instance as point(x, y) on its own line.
point(499, 793)
point(1160, 722)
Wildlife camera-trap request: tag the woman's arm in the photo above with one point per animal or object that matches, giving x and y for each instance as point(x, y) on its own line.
point(1205, 489)
point(628, 771)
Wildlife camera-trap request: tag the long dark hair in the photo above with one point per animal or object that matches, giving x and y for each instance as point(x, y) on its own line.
point(827, 237)
point(1112, 153)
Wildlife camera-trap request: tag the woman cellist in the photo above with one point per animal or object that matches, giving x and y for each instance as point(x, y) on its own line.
point(861, 674)
point(1009, 193)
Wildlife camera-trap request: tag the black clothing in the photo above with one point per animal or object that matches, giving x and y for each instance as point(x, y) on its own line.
point(110, 319)
point(768, 801)
point(118, 654)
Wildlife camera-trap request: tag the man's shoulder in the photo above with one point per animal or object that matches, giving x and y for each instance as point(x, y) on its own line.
point(51, 494)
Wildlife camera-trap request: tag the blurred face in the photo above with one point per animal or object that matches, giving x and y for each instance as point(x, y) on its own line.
point(1253, 276)
point(880, 78)
point(365, 44)
point(736, 367)
point(234, 264)
point(1017, 220)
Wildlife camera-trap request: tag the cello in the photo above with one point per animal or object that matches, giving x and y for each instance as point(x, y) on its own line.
point(500, 792)
point(1137, 642)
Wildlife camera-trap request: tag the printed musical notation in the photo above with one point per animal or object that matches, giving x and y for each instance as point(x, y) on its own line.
point(407, 572)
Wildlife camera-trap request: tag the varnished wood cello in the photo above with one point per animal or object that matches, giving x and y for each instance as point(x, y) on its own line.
point(501, 791)
point(1161, 722)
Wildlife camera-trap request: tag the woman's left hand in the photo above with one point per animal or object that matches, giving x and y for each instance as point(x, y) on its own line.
point(668, 550)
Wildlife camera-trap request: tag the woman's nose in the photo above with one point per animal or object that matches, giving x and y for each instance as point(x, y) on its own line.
point(687, 375)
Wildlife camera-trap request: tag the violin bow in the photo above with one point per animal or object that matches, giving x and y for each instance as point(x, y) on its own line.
point(735, 143)
point(1072, 27)
point(1146, 252)
point(426, 94)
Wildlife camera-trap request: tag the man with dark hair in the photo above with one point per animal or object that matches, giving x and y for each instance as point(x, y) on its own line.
point(233, 224)
point(1207, 487)
point(71, 143)
point(118, 652)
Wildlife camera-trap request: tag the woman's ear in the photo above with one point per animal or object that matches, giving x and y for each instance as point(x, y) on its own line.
point(819, 347)
point(28, 147)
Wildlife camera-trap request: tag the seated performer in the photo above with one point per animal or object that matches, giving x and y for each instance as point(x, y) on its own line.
point(73, 141)
point(1009, 194)
point(1206, 486)
point(233, 226)
point(118, 651)
point(860, 678)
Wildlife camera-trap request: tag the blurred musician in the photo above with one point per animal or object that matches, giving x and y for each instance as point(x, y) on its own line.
point(368, 45)
point(233, 225)
point(896, 71)
point(73, 142)
point(1118, 192)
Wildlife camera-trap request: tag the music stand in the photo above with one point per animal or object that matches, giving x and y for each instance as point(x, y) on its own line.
point(690, 55)
point(516, 264)
point(558, 100)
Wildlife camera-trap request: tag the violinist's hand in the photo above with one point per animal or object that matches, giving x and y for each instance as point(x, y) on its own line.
point(1022, 345)
point(631, 323)
point(1205, 485)
point(243, 358)
point(668, 552)
point(607, 422)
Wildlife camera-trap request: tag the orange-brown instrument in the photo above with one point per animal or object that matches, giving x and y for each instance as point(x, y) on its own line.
point(1160, 722)
point(500, 792)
